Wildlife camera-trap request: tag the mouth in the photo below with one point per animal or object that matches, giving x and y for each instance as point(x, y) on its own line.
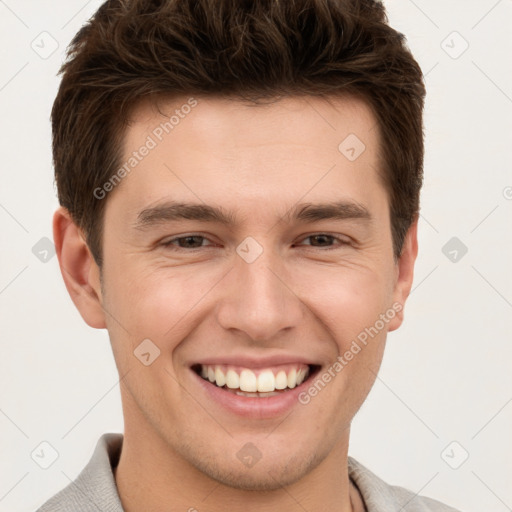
point(256, 383)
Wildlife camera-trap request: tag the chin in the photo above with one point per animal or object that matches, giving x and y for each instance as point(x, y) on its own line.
point(264, 475)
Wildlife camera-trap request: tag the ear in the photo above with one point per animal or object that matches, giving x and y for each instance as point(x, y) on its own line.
point(404, 274)
point(80, 272)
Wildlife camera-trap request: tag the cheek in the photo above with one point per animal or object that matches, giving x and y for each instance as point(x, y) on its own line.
point(346, 300)
point(158, 302)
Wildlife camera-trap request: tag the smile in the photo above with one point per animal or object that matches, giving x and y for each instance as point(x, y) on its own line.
point(258, 388)
point(262, 382)
point(255, 383)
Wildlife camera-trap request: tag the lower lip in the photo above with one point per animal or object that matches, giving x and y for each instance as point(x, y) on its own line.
point(254, 407)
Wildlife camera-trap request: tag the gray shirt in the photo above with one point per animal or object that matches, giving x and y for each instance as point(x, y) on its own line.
point(94, 489)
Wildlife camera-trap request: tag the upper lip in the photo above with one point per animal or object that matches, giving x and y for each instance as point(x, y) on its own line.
point(253, 362)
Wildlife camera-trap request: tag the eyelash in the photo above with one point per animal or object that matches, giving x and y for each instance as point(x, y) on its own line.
point(169, 243)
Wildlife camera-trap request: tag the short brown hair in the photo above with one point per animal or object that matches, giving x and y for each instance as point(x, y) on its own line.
point(251, 50)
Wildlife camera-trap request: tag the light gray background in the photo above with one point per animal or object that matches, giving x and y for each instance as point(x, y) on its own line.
point(447, 373)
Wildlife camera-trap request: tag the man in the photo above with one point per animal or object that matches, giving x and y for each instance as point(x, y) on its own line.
point(239, 186)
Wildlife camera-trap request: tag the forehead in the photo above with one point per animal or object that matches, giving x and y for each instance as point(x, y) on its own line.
point(213, 148)
point(215, 118)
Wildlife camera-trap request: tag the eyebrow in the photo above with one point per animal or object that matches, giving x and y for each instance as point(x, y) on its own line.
point(304, 212)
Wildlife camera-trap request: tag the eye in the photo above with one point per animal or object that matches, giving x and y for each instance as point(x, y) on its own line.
point(324, 240)
point(193, 241)
point(185, 242)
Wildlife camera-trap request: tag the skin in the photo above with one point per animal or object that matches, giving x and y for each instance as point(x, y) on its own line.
point(301, 296)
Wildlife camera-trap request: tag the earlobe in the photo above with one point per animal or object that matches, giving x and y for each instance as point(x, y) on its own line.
point(79, 270)
point(405, 274)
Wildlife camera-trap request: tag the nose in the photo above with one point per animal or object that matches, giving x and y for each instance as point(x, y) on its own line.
point(258, 299)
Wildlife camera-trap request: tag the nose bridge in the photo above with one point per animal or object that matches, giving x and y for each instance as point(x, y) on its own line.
point(257, 300)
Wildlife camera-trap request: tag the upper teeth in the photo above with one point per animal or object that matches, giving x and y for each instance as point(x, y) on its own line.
point(265, 380)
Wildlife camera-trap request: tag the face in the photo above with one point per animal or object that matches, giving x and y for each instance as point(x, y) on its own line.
point(248, 248)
